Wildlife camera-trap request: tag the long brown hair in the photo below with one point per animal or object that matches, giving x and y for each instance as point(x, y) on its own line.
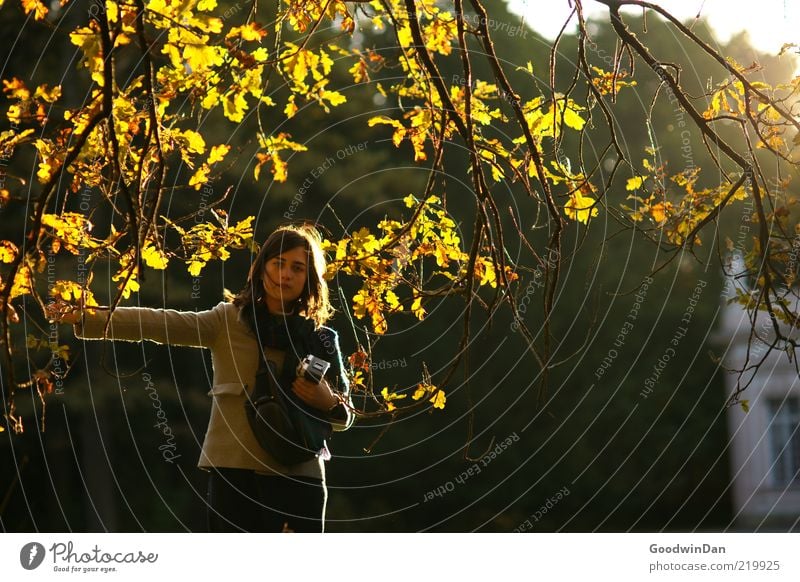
point(314, 301)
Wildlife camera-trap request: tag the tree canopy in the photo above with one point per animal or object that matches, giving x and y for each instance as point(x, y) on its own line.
point(125, 153)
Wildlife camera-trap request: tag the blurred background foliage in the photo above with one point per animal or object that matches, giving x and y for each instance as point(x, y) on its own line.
point(628, 462)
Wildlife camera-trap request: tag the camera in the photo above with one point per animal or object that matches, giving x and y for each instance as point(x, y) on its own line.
point(312, 369)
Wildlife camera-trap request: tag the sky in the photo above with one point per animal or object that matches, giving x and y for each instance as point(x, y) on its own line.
point(770, 25)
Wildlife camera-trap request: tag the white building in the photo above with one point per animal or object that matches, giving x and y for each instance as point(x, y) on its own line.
point(764, 442)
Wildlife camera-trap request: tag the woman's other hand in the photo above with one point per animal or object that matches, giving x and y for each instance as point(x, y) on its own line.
point(319, 396)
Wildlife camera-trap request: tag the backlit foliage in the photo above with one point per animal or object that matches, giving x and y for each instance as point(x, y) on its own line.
point(131, 136)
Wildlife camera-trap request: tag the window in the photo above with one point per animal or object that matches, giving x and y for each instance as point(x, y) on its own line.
point(784, 441)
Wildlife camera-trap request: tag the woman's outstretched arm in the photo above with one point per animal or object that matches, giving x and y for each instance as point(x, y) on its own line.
point(164, 326)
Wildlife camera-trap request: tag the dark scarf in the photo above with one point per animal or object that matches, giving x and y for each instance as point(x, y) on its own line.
point(290, 333)
point(282, 332)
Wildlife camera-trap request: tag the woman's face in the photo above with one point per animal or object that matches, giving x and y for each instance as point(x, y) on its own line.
point(285, 278)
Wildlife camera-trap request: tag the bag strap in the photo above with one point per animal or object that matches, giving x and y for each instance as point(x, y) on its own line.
point(266, 379)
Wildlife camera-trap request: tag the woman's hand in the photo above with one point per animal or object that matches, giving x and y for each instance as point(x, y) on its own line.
point(62, 312)
point(319, 396)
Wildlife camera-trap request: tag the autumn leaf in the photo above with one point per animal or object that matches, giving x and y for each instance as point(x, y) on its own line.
point(8, 251)
point(660, 211)
point(126, 276)
point(218, 153)
point(273, 146)
point(291, 107)
point(359, 359)
point(23, 285)
point(72, 292)
point(37, 7)
point(190, 141)
point(234, 105)
point(417, 309)
point(251, 31)
point(357, 381)
point(360, 71)
point(572, 120)
point(485, 272)
point(72, 230)
point(195, 267)
point(388, 397)
point(634, 183)
point(200, 177)
point(154, 257)
point(392, 300)
point(199, 58)
point(438, 399)
point(580, 207)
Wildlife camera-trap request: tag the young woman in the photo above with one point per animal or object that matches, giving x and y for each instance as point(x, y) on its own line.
point(278, 316)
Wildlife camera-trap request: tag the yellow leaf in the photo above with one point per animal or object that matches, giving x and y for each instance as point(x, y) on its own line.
point(279, 169)
point(484, 268)
point(573, 120)
point(154, 257)
point(360, 304)
point(273, 146)
point(49, 95)
point(417, 309)
point(72, 292)
point(16, 89)
point(393, 301)
point(8, 251)
point(49, 160)
point(438, 399)
point(192, 141)
point(399, 131)
point(218, 153)
point(252, 82)
point(234, 105)
point(634, 183)
point(580, 207)
point(333, 97)
point(195, 267)
point(200, 57)
point(72, 229)
point(290, 108)
point(210, 99)
point(200, 177)
point(251, 31)
point(22, 282)
point(419, 393)
point(360, 71)
point(112, 10)
point(35, 6)
point(389, 396)
point(128, 284)
point(659, 211)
